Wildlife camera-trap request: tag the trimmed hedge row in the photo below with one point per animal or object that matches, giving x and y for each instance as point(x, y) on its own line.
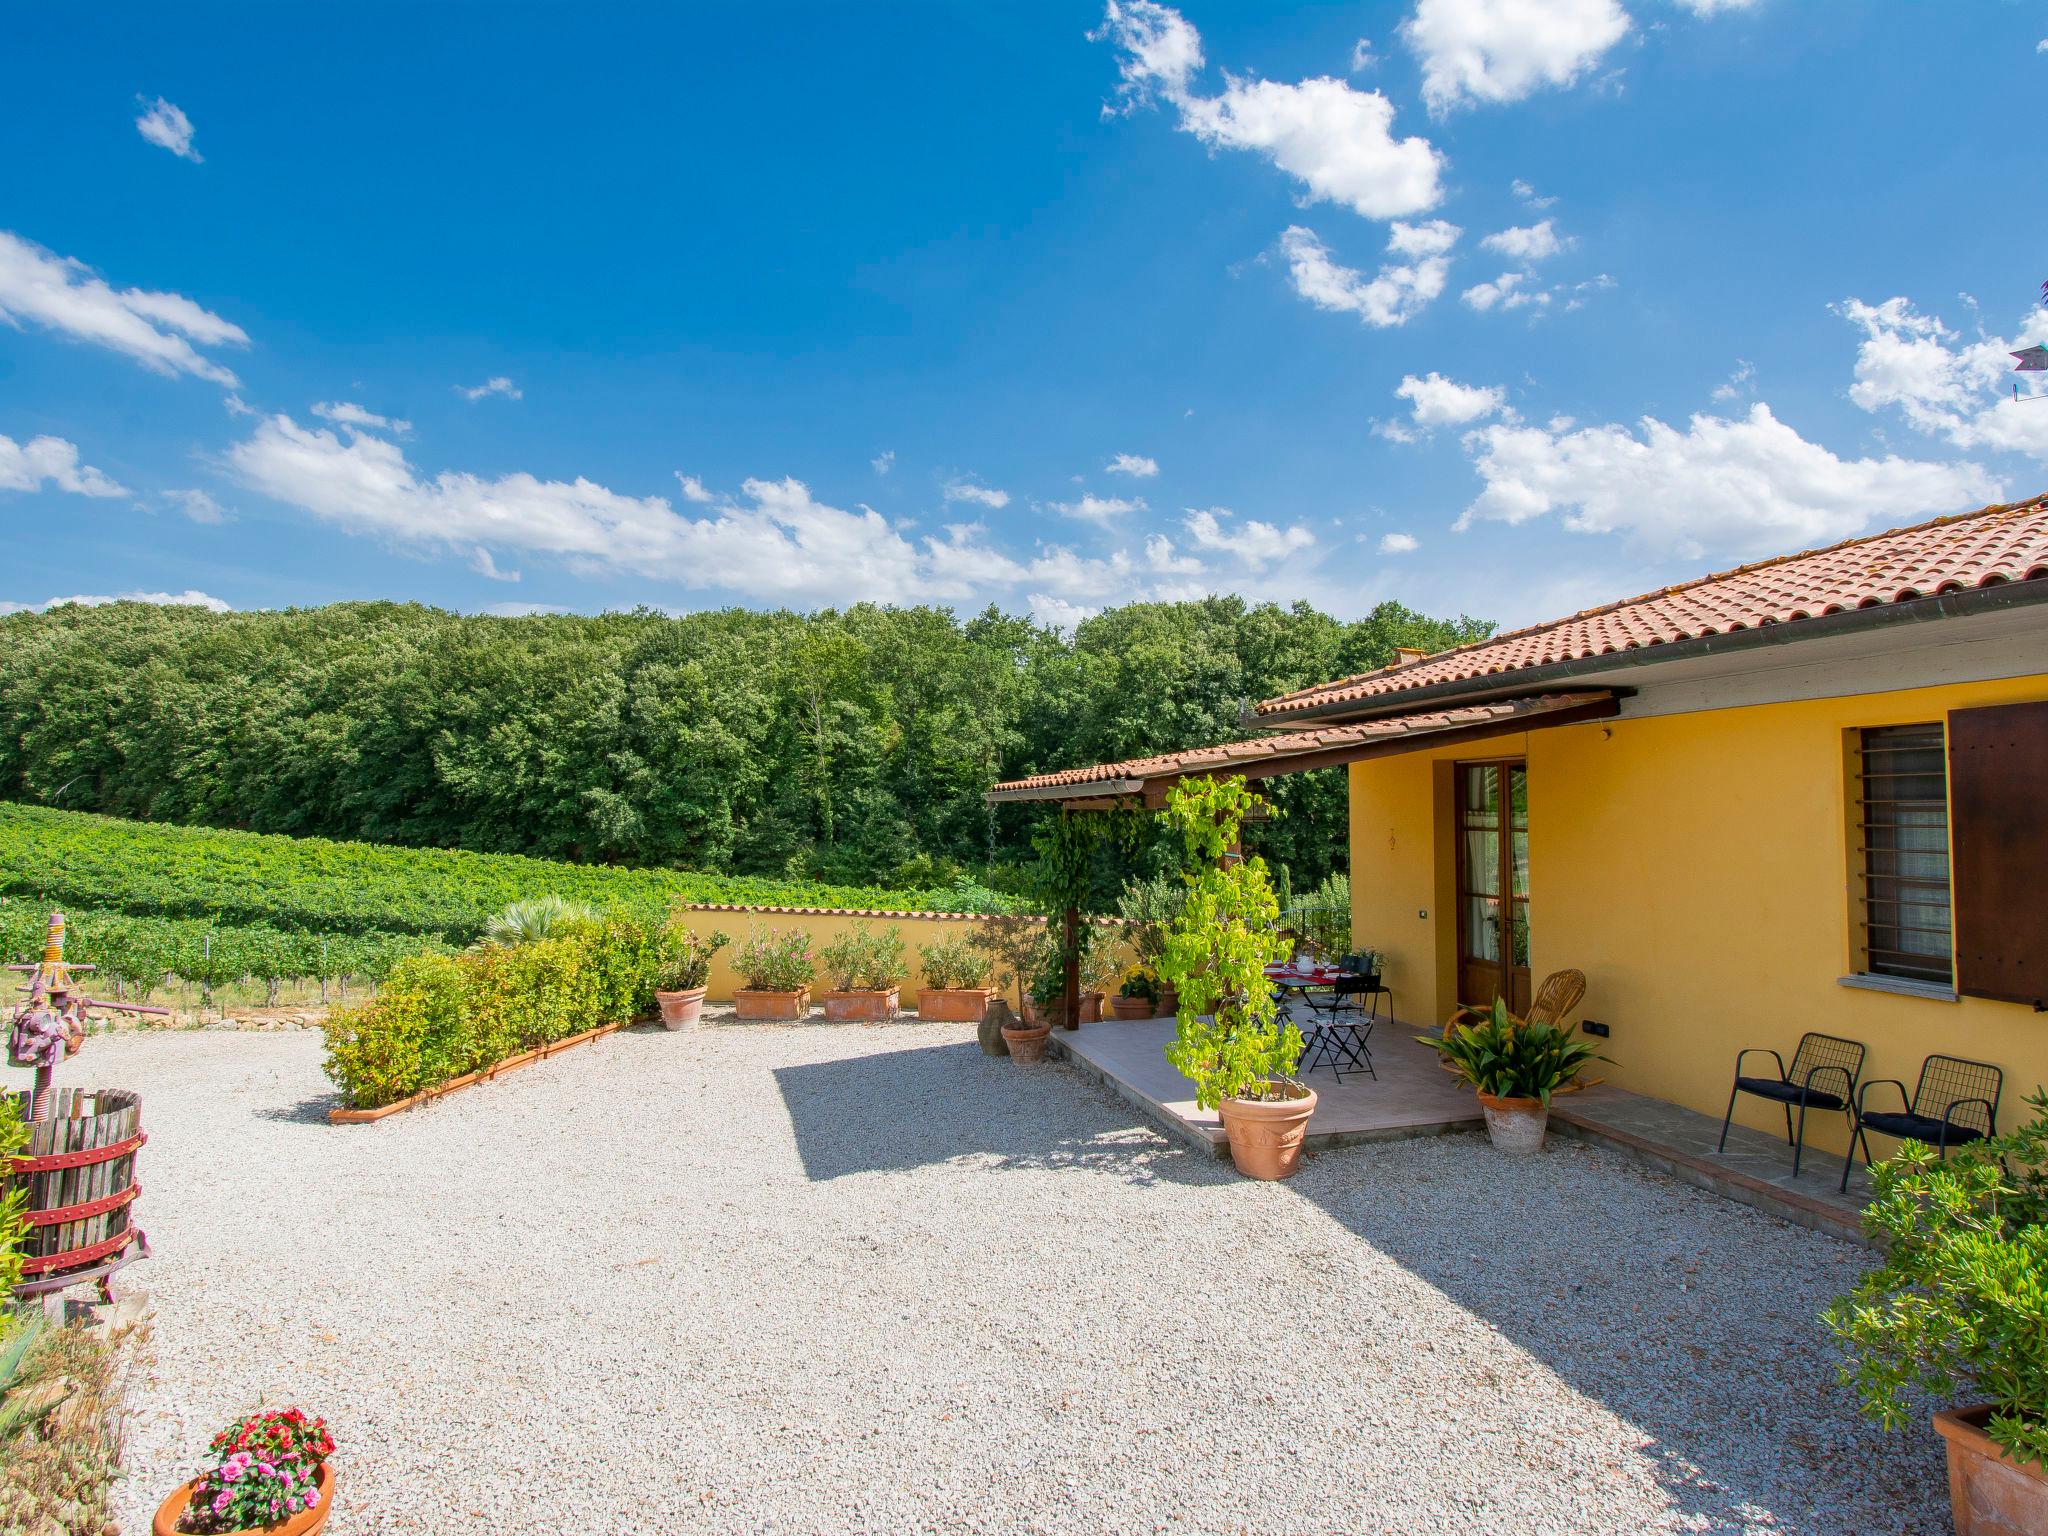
point(442, 1016)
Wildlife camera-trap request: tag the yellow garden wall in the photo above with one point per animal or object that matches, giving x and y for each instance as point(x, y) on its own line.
point(1696, 867)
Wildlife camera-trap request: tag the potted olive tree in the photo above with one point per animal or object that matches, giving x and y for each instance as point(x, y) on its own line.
point(775, 965)
point(865, 970)
point(682, 970)
point(1101, 968)
point(955, 989)
point(1148, 908)
point(1956, 1308)
point(1515, 1066)
point(1230, 1039)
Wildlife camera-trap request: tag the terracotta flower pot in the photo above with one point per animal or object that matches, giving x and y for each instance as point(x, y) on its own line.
point(1132, 1008)
point(681, 1010)
point(1027, 1045)
point(865, 1007)
point(1515, 1125)
point(1091, 1007)
point(750, 1003)
point(1169, 1002)
point(953, 1005)
point(304, 1522)
point(1989, 1493)
point(1265, 1135)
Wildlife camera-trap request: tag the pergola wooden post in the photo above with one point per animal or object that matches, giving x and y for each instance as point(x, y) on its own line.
point(1071, 1002)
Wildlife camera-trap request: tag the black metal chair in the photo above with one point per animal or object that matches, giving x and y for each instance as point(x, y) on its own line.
point(1822, 1076)
point(1954, 1103)
point(1342, 1029)
point(1364, 966)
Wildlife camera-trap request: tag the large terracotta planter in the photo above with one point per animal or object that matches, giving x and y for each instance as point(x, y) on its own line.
point(1027, 1045)
point(1515, 1125)
point(301, 1524)
point(1132, 1008)
point(681, 1010)
point(748, 1003)
point(1266, 1136)
point(1169, 1002)
point(864, 1007)
point(953, 1005)
point(1091, 1007)
point(1989, 1493)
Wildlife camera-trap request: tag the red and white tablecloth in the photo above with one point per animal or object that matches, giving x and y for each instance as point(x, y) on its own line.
point(1297, 975)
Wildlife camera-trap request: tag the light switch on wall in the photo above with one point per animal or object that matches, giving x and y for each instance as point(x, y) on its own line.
point(1423, 913)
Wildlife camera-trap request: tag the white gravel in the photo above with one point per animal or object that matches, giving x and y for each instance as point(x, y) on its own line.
point(835, 1279)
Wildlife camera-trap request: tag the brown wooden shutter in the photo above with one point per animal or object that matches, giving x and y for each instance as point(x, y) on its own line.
point(1998, 805)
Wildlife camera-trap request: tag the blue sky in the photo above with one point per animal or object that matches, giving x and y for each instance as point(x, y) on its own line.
point(1495, 306)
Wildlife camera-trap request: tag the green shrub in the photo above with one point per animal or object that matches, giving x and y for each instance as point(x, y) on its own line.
point(540, 917)
point(1959, 1307)
point(864, 959)
point(953, 964)
point(1148, 908)
point(441, 1016)
point(13, 1196)
point(1323, 917)
point(685, 959)
point(775, 960)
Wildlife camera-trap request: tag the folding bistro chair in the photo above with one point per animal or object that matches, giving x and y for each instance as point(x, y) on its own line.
point(1822, 1076)
point(1955, 1102)
point(1343, 1026)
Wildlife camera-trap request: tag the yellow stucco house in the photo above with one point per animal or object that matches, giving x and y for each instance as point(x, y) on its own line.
point(1807, 794)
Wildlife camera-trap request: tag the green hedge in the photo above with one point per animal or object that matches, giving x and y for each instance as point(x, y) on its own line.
point(440, 1016)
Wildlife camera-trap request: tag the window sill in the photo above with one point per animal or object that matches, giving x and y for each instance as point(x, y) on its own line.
point(1933, 991)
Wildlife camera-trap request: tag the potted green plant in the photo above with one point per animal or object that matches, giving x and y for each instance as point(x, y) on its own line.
point(270, 1474)
point(1148, 908)
point(775, 965)
point(1101, 968)
point(955, 977)
point(1515, 1066)
point(1137, 995)
point(863, 967)
point(1957, 1309)
point(1016, 944)
point(1042, 1001)
point(1230, 1039)
point(682, 971)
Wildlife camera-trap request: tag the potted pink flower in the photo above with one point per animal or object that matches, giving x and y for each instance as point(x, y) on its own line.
point(682, 973)
point(270, 1474)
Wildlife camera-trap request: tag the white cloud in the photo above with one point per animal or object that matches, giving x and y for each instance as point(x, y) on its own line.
point(198, 506)
point(157, 330)
point(1338, 142)
point(1508, 291)
point(980, 495)
point(693, 488)
point(1399, 544)
point(1099, 508)
point(1502, 50)
point(165, 125)
point(1362, 57)
point(52, 461)
point(1402, 289)
point(1745, 486)
point(497, 384)
point(884, 461)
point(1527, 194)
point(1435, 401)
point(1057, 613)
point(1943, 384)
point(1739, 383)
point(1259, 544)
point(1136, 465)
point(521, 610)
point(1715, 7)
point(185, 599)
point(1528, 242)
point(344, 413)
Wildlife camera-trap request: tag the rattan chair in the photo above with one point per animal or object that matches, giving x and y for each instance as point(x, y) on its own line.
point(1955, 1102)
point(1557, 997)
point(1822, 1076)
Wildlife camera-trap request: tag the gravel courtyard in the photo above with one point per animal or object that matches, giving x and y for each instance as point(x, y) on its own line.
point(835, 1279)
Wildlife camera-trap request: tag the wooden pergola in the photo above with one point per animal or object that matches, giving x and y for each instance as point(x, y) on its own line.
point(1145, 782)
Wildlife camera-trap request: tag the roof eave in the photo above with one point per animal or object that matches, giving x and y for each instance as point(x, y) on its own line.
point(1473, 690)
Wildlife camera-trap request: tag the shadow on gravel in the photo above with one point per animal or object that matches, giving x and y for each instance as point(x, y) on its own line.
point(311, 1111)
point(933, 1104)
point(1698, 1327)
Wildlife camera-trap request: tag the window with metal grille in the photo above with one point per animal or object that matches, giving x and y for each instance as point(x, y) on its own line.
point(1907, 928)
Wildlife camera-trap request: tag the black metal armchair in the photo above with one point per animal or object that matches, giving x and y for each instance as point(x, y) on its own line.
point(1822, 1076)
point(1954, 1103)
point(1341, 1029)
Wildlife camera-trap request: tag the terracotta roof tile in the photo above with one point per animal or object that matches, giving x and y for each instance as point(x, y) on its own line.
point(1949, 554)
point(1263, 748)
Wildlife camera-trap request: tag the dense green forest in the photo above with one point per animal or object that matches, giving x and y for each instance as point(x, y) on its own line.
point(841, 746)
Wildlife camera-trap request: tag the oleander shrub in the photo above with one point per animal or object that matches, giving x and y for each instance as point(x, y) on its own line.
point(953, 964)
point(863, 959)
point(775, 960)
point(441, 1016)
